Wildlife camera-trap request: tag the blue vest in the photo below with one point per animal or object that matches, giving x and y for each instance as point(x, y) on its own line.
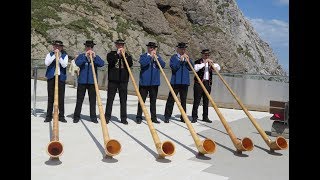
point(85, 74)
point(180, 71)
point(52, 68)
point(150, 72)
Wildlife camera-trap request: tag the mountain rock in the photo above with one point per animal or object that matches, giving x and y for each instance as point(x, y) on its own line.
point(218, 25)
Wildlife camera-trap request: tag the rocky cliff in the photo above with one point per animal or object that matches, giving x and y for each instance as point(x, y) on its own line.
point(217, 25)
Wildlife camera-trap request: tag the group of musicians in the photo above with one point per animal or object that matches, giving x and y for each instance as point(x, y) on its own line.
point(118, 77)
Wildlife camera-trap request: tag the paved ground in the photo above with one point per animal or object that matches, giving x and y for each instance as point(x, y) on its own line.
point(83, 156)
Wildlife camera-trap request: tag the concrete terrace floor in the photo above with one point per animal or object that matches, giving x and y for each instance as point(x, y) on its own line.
point(83, 156)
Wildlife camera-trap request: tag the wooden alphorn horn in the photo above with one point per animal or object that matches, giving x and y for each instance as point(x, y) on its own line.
point(112, 146)
point(241, 145)
point(55, 147)
point(166, 148)
point(279, 144)
point(206, 146)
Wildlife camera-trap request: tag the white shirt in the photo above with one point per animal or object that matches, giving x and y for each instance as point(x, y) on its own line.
point(197, 67)
point(63, 62)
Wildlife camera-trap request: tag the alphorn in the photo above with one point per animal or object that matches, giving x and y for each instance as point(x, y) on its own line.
point(207, 146)
point(55, 147)
point(241, 145)
point(166, 148)
point(112, 146)
point(279, 144)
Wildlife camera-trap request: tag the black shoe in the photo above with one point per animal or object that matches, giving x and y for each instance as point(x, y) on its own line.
point(194, 120)
point(181, 119)
point(138, 120)
point(94, 120)
point(48, 119)
point(207, 120)
point(61, 119)
point(166, 119)
point(156, 121)
point(76, 120)
point(124, 121)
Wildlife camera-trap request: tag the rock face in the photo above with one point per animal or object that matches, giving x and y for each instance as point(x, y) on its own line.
point(217, 25)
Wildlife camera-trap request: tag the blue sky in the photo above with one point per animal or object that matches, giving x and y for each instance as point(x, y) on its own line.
point(270, 19)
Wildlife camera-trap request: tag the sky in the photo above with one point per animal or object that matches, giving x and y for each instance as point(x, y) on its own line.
point(270, 19)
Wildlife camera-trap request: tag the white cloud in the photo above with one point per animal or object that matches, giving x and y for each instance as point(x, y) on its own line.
point(275, 32)
point(282, 2)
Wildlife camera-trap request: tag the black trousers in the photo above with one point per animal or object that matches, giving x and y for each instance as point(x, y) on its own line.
point(50, 90)
point(198, 93)
point(153, 92)
point(81, 91)
point(183, 90)
point(122, 87)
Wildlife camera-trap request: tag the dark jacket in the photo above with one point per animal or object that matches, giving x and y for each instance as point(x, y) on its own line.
point(52, 67)
point(150, 71)
point(180, 70)
point(117, 70)
point(86, 75)
point(201, 72)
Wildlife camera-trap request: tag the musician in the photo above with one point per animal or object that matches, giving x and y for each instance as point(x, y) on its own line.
point(86, 82)
point(50, 62)
point(149, 81)
point(180, 79)
point(118, 77)
point(204, 70)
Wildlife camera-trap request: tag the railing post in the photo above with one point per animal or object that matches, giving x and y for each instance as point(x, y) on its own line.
point(105, 74)
point(35, 77)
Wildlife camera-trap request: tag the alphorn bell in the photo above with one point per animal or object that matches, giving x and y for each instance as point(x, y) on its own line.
point(241, 145)
point(55, 147)
point(206, 146)
point(112, 146)
point(166, 148)
point(279, 144)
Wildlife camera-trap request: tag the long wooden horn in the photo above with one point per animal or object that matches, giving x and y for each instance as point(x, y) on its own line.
point(245, 144)
point(166, 148)
point(112, 146)
point(55, 147)
point(206, 146)
point(279, 144)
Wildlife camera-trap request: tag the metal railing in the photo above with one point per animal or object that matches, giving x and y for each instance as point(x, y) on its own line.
point(35, 77)
point(254, 90)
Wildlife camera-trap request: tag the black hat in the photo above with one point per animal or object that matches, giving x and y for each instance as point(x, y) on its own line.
point(89, 43)
point(182, 45)
point(205, 51)
point(119, 41)
point(152, 44)
point(57, 42)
